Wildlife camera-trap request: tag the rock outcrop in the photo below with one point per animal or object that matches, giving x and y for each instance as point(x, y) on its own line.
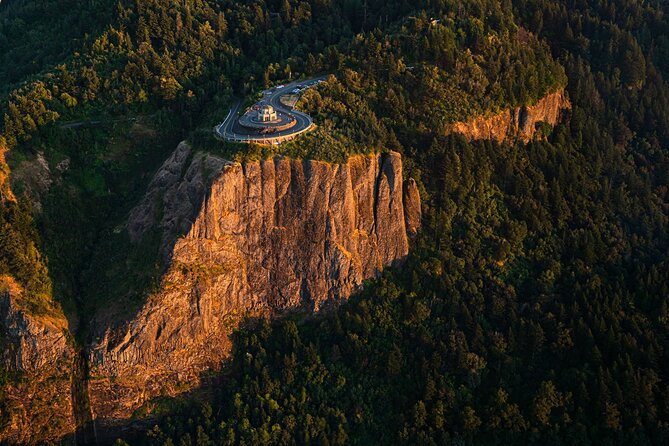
point(517, 123)
point(37, 404)
point(247, 239)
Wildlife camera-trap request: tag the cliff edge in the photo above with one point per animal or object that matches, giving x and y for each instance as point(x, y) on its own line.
point(515, 123)
point(240, 240)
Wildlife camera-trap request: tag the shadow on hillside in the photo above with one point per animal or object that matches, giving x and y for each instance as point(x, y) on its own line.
point(106, 432)
point(120, 263)
point(213, 387)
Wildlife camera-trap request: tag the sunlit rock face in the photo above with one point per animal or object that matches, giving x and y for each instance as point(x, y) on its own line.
point(34, 348)
point(516, 123)
point(256, 238)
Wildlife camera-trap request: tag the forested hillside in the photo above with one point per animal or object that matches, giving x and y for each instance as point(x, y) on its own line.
point(160, 70)
point(534, 307)
point(38, 35)
point(534, 304)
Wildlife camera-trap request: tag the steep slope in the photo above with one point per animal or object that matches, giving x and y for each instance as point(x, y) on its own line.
point(37, 405)
point(243, 240)
point(518, 122)
point(5, 191)
point(36, 357)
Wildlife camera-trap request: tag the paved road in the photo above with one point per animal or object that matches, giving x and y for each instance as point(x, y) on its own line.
point(227, 130)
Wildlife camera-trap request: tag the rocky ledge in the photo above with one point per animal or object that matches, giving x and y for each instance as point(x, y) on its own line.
point(516, 123)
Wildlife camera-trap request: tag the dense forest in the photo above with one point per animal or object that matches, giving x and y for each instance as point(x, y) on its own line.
point(159, 72)
point(534, 306)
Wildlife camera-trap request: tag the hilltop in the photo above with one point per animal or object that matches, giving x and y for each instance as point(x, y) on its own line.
point(523, 301)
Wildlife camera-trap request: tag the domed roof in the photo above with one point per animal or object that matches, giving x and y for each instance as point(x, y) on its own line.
point(267, 114)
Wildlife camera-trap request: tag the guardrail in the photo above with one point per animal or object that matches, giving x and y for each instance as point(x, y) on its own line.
point(266, 138)
point(261, 139)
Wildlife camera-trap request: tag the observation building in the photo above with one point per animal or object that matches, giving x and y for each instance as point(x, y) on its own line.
point(264, 118)
point(267, 114)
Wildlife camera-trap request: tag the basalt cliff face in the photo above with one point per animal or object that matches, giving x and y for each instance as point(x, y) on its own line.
point(35, 351)
point(256, 238)
point(516, 123)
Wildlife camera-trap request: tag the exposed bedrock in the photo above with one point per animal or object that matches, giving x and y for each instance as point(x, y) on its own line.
point(246, 239)
point(515, 123)
point(36, 405)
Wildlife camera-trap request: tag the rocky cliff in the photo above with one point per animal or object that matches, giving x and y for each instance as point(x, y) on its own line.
point(36, 403)
point(246, 239)
point(517, 123)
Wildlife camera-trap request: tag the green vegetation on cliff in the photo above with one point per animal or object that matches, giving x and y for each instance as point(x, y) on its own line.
point(175, 65)
point(534, 305)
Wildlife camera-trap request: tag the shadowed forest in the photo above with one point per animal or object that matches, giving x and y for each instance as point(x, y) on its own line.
point(534, 306)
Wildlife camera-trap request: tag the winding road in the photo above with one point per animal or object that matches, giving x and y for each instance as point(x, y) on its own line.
point(229, 130)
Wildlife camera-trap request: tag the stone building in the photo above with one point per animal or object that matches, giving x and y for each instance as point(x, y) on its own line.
point(267, 114)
